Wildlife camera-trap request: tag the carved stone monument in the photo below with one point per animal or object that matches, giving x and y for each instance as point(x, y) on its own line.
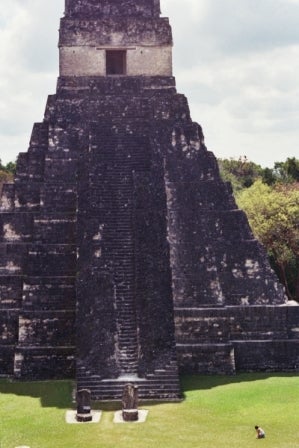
point(83, 397)
point(130, 403)
point(124, 257)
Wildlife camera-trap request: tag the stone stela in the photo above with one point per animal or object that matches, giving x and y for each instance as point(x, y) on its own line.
point(83, 398)
point(124, 257)
point(130, 403)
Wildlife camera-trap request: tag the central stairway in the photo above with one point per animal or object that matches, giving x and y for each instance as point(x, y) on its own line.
point(122, 248)
point(113, 184)
point(162, 384)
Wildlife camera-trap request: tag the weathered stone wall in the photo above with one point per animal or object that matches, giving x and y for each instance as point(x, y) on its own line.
point(115, 32)
point(83, 43)
point(9, 327)
point(91, 61)
point(37, 236)
point(91, 8)
point(103, 190)
point(120, 245)
point(215, 258)
point(253, 338)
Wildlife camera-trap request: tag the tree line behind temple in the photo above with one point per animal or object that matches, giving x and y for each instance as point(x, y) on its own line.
point(6, 173)
point(270, 198)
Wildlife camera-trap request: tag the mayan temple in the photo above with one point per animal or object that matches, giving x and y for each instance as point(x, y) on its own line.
point(123, 254)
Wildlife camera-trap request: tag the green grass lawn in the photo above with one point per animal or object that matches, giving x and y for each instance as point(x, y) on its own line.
point(216, 412)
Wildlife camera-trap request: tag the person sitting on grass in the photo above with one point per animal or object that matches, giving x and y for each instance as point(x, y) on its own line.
point(260, 433)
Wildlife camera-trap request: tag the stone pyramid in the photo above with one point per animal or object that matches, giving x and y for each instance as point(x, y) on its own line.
point(123, 254)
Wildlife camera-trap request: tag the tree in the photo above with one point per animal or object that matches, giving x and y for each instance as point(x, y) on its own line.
point(241, 173)
point(283, 172)
point(10, 167)
point(273, 213)
point(6, 173)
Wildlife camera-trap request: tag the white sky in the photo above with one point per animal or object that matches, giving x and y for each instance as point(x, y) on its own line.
point(237, 61)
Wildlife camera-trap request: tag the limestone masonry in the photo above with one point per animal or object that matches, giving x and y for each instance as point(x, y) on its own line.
point(123, 254)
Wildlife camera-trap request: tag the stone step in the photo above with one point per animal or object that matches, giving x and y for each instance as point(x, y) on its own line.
point(128, 364)
point(127, 314)
point(130, 347)
point(148, 379)
point(129, 310)
point(129, 370)
point(119, 383)
point(167, 394)
point(127, 331)
point(130, 351)
point(127, 290)
point(127, 355)
point(128, 318)
point(125, 341)
point(125, 283)
point(127, 306)
point(130, 334)
point(116, 385)
point(128, 277)
point(141, 387)
point(171, 377)
point(125, 295)
point(122, 296)
point(129, 302)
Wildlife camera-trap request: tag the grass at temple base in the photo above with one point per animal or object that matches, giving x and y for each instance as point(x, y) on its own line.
point(216, 412)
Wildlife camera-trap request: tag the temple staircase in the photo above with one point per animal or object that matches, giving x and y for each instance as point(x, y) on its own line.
point(160, 383)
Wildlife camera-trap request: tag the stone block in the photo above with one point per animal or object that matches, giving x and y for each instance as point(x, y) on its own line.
point(11, 289)
point(7, 359)
point(212, 359)
point(46, 328)
point(59, 198)
point(267, 356)
point(8, 327)
point(33, 363)
point(51, 260)
point(49, 293)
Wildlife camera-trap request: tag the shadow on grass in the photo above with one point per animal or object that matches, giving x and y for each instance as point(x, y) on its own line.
point(51, 393)
point(59, 394)
point(202, 382)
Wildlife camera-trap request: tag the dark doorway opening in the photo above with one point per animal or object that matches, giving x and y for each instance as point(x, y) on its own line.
point(116, 62)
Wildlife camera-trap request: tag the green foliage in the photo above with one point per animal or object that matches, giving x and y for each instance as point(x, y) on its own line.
point(288, 171)
point(269, 196)
point(273, 214)
point(7, 173)
point(283, 172)
point(218, 411)
point(5, 177)
point(10, 167)
point(269, 177)
point(241, 173)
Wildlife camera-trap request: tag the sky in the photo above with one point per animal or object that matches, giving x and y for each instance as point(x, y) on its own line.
point(237, 61)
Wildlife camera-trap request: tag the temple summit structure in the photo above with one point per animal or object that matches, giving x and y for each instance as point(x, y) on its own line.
point(124, 257)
